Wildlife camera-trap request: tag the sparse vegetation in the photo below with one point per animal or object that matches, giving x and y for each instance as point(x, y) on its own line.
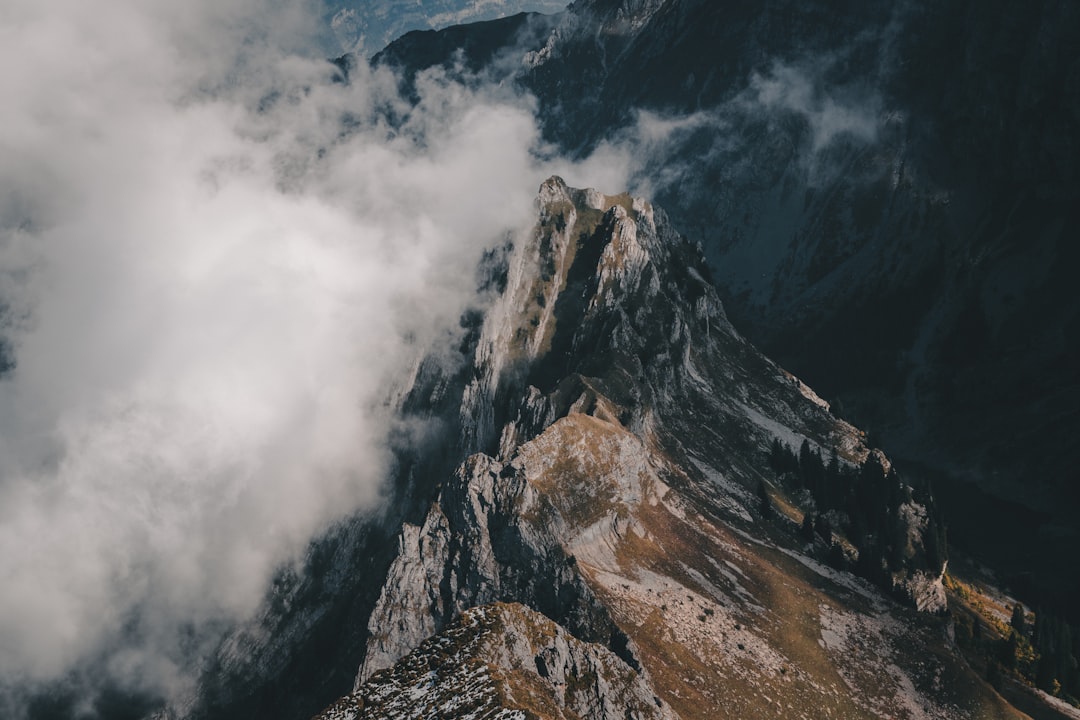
point(1042, 654)
point(865, 504)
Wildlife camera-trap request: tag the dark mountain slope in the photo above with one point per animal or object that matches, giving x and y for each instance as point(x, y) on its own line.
point(887, 195)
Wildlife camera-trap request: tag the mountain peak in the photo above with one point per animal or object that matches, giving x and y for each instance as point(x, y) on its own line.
point(623, 491)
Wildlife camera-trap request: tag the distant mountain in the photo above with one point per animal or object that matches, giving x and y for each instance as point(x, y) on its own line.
point(885, 193)
point(367, 27)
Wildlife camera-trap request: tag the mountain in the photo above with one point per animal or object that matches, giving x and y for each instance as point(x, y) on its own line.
point(884, 193)
point(372, 25)
point(616, 542)
point(611, 483)
point(605, 501)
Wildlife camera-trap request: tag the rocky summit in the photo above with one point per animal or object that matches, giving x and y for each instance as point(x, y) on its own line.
point(622, 539)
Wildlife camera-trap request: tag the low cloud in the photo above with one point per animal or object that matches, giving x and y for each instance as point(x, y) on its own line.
point(214, 262)
point(830, 114)
point(786, 120)
point(665, 151)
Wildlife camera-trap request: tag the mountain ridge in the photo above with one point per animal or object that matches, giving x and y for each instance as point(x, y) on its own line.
point(604, 513)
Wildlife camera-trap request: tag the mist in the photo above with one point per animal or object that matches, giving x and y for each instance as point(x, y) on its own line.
point(216, 258)
point(785, 118)
point(829, 114)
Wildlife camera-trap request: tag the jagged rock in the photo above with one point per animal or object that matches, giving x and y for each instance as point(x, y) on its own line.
point(504, 661)
point(926, 590)
point(489, 545)
point(410, 607)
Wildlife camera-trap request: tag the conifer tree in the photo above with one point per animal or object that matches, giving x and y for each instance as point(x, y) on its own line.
point(1018, 620)
point(763, 497)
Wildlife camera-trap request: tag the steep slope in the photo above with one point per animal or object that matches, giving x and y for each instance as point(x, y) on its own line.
point(619, 447)
point(883, 191)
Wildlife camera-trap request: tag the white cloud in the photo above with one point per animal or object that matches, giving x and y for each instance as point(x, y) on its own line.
point(829, 114)
point(209, 288)
point(750, 137)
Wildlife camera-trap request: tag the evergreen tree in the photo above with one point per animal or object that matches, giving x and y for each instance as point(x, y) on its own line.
point(833, 487)
point(868, 564)
point(806, 461)
point(823, 528)
point(784, 461)
point(837, 559)
point(777, 452)
point(1018, 621)
point(763, 497)
point(993, 674)
point(935, 542)
point(1066, 663)
point(1043, 640)
point(812, 472)
point(1007, 651)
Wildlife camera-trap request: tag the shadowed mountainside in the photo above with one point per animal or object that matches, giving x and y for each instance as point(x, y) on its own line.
point(885, 194)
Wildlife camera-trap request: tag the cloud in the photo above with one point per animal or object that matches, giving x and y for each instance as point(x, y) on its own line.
point(787, 120)
point(657, 146)
point(208, 285)
point(829, 114)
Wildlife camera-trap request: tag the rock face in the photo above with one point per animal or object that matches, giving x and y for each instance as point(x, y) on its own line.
point(504, 661)
point(619, 431)
point(883, 192)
